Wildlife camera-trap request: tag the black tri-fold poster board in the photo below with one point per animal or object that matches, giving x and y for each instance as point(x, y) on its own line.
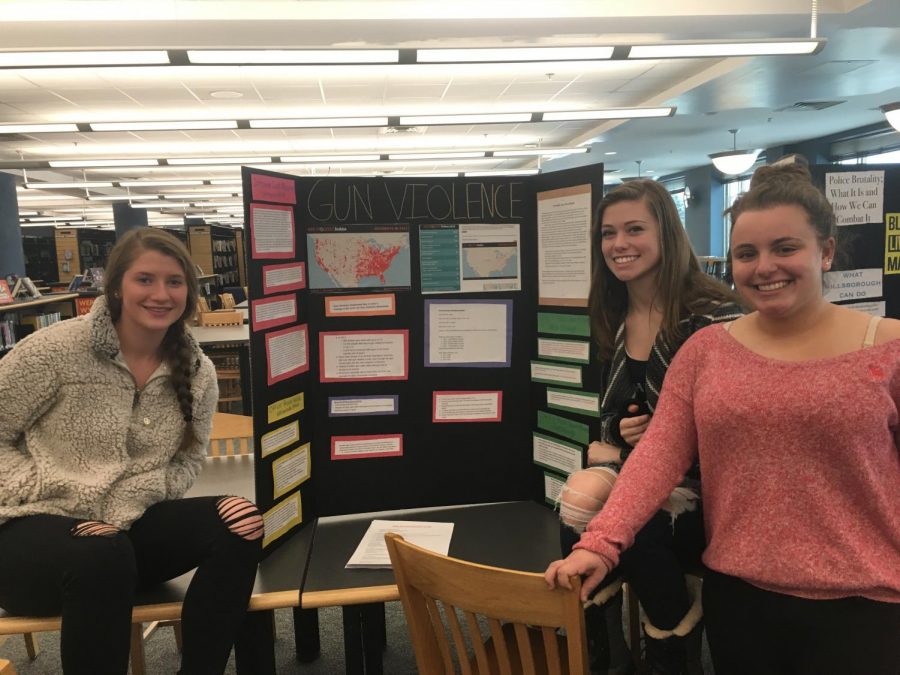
point(866, 201)
point(395, 325)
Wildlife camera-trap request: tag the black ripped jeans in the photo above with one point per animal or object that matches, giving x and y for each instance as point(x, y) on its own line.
point(46, 570)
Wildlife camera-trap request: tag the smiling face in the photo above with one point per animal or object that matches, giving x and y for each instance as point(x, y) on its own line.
point(153, 293)
point(778, 260)
point(629, 235)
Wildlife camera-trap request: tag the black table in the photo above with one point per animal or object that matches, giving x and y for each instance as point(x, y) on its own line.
point(517, 535)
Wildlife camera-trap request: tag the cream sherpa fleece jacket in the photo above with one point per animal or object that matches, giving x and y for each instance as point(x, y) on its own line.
point(77, 438)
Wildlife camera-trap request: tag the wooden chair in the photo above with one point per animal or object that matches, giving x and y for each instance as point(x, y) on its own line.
point(516, 609)
point(6, 668)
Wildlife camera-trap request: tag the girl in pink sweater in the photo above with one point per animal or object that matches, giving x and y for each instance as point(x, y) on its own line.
point(793, 411)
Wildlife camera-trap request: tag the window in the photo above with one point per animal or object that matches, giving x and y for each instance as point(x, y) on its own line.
point(680, 204)
point(891, 157)
point(733, 190)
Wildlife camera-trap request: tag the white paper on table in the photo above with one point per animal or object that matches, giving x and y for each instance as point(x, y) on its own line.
point(372, 550)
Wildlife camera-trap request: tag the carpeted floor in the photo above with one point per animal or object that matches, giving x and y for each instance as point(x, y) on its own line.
point(162, 657)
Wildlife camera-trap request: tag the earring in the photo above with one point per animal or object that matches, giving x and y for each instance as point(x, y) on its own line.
point(826, 263)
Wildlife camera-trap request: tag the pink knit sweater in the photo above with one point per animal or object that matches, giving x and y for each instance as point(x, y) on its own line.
point(800, 465)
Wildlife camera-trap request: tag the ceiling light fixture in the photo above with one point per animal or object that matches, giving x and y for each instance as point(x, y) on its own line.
point(500, 172)
point(608, 114)
point(318, 122)
point(198, 195)
point(488, 118)
point(158, 183)
point(36, 128)
point(513, 54)
point(203, 161)
point(328, 158)
point(184, 125)
point(734, 162)
point(292, 56)
point(83, 58)
point(158, 204)
point(93, 163)
point(413, 156)
point(539, 152)
point(66, 186)
point(725, 48)
point(892, 113)
point(121, 197)
point(44, 198)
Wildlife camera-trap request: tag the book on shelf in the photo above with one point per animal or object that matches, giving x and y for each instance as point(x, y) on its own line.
point(6, 297)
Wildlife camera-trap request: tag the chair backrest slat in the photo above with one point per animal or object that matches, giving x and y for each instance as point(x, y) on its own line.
point(437, 625)
point(521, 615)
point(526, 653)
point(478, 647)
point(502, 646)
point(459, 640)
point(551, 649)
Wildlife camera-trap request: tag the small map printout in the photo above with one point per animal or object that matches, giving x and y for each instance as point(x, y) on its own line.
point(358, 256)
point(470, 258)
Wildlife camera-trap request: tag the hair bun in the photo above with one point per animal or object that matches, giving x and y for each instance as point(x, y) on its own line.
point(780, 172)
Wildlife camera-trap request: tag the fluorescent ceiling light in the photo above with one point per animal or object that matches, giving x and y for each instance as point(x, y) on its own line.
point(198, 195)
point(207, 205)
point(513, 54)
point(65, 186)
point(226, 181)
point(488, 118)
point(89, 163)
point(608, 114)
point(123, 196)
point(36, 128)
point(82, 58)
point(677, 50)
point(159, 204)
point(542, 152)
point(158, 183)
point(179, 161)
point(437, 155)
point(511, 172)
point(734, 162)
point(292, 56)
point(310, 159)
point(892, 114)
point(45, 198)
point(22, 214)
point(185, 125)
point(319, 122)
point(83, 210)
point(445, 174)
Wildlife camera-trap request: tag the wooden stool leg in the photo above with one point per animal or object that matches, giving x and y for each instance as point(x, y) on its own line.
point(176, 627)
point(31, 646)
point(137, 649)
point(6, 668)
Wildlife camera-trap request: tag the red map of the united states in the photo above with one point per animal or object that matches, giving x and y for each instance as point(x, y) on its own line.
point(349, 258)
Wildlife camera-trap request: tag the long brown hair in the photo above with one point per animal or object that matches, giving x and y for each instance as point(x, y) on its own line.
point(176, 347)
point(682, 288)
